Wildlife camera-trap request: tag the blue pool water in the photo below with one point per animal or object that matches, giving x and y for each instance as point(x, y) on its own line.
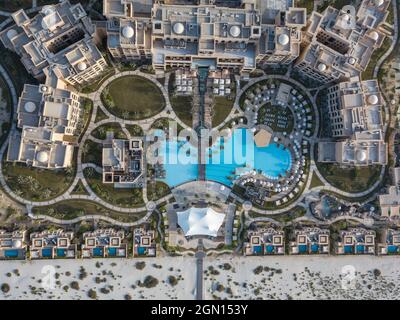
point(270, 248)
point(224, 160)
point(112, 252)
point(257, 249)
point(348, 249)
point(302, 248)
point(47, 252)
point(60, 252)
point(98, 252)
point(178, 172)
point(314, 248)
point(392, 249)
point(141, 250)
point(11, 253)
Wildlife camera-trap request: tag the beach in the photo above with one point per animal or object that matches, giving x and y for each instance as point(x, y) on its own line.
point(225, 277)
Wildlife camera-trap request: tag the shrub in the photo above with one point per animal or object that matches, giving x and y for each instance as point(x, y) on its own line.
point(5, 287)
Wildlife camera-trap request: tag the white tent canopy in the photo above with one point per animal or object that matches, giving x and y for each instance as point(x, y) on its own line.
point(200, 221)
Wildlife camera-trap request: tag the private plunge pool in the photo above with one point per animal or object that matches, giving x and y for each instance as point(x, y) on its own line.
point(224, 161)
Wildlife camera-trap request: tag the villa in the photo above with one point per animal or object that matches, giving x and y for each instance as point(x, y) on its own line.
point(356, 241)
point(264, 241)
point(58, 39)
point(49, 116)
point(355, 114)
point(310, 241)
point(52, 244)
point(390, 203)
point(338, 45)
point(391, 244)
point(12, 245)
point(104, 243)
point(144, 243)
point(123, 162)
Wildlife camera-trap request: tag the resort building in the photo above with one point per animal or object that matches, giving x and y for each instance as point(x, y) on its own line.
point(123, 162)
point(356, 241)
point(205, 35)
point(310, 241)
point(183, 34)
point(12, 245)
point(338, 45)
point(104, 243)
point(390, 203)
point(144, 243)
point(49, 117)
point(59, 38)
point(128, 28)
point(264, 240)
point(355, 116)
point(52, 244)
point(281, 37)
point(391, 244)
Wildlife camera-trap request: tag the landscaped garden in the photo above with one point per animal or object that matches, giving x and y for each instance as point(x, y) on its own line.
point(92, 152)
point(133, 98)
point(37, 184)
point(157, 190)
point(122, 197)
point(114, 127)
point(71, 209)
point(221, 110)
point(350, 179)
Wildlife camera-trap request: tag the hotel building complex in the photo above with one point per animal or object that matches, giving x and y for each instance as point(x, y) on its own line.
point(338, 45)
point(58, 39)
point(197, 35)
point(355, 114)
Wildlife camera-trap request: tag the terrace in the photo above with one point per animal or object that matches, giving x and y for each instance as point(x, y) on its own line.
point(104, 243)
point(144, 244)
point(356, 241)
point(12, 245)
point(310, 241)
point(391, 244)
point(264, 241)
point(52, 244)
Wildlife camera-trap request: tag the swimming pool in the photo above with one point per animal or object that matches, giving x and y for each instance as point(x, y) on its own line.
point(225, 160)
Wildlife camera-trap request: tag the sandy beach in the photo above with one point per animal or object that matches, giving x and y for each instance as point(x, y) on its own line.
point(108, 278)
point(361, 277)
point(225, 277)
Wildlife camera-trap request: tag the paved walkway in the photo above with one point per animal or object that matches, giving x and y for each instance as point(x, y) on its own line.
point(394, 41)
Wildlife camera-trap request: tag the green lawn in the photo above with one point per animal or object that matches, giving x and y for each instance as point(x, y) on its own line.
point(71, 209)
point(80, 189)
point(315, 181)
point(37, 184)
point(101, 132)
point(14, 5)
point(122, 197)
point(222, 108)
point(92, 152)
point(308, 4)
point(350, 179)
point(5, 97)
point(100, 115)
point(135, 130)
point(182, 105)
point(12, 63)
point(133, 97)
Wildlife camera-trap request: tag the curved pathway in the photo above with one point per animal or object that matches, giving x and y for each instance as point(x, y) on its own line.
point(394, 41)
